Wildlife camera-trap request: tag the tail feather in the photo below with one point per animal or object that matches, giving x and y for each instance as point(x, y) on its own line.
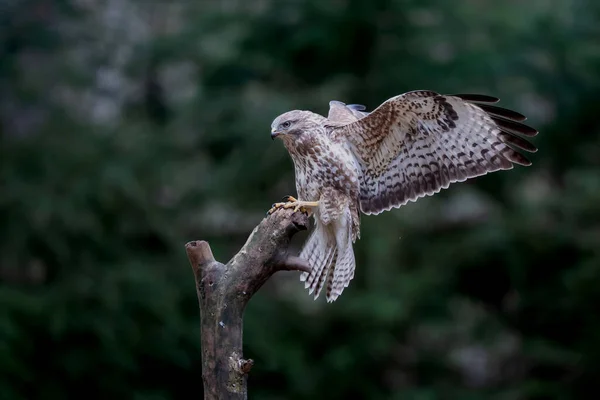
point(315, 253)
point(320, 252)
point(314, 284)
point(345, 264)
point(329, 284)
point(326, 274)
point(329, 252)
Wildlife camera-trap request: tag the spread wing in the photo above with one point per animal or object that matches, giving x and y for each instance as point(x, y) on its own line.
point(419, 142)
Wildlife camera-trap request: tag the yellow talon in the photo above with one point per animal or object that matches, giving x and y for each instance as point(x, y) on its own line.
point(275, 207)
point(291, 202)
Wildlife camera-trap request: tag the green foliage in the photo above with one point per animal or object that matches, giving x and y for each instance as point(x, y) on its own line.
point(128, 129)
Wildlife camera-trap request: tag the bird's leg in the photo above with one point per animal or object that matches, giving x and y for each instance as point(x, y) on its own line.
point(297, 205)
point(303, 206)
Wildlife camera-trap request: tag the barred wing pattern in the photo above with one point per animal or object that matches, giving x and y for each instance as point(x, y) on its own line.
point(419, 142)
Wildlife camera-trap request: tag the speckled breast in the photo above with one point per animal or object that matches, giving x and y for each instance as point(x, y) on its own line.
point(328, 165)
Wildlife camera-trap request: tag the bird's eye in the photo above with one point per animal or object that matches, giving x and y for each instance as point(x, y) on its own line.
point(286, 124)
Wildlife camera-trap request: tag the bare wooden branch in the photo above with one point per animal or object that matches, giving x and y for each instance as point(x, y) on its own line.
point(225, 289)
point(293, 263)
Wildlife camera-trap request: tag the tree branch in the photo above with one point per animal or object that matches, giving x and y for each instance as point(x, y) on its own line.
point(224, 290)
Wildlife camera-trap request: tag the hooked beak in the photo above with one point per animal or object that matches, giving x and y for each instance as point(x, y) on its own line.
point(274, 134)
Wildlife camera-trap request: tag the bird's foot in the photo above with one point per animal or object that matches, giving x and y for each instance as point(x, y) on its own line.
point(277, 206)
point(292, 202)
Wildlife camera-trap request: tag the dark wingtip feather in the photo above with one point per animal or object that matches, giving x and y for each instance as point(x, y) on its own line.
point(515, 127)
point(477, 98)
point(502, 112)
point(517, 142)
point(518, 158)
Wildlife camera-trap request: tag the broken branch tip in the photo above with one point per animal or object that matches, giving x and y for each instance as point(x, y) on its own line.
point(199, 253)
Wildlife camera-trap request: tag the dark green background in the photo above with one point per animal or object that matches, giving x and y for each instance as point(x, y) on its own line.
point(131, 127)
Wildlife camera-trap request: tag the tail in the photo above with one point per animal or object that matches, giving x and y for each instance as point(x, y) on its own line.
point(329, 252)
point(320, 251)
point(343, 272)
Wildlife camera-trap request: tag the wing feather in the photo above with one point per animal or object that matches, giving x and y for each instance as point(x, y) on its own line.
point(514, 127)
point(342, 113)
point(420, 142)
point(502, 112)
point(477, 98)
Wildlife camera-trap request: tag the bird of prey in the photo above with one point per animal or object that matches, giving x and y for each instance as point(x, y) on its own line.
point(410, 146)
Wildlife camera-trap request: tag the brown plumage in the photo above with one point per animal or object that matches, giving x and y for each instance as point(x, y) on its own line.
point(412, 145)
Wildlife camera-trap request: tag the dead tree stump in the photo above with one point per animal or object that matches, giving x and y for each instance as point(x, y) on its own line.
point(225, 289)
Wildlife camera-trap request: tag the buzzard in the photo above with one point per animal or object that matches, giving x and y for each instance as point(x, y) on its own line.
point(410, 146)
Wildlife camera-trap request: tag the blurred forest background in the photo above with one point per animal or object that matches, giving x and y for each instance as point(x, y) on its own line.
point(130, 127)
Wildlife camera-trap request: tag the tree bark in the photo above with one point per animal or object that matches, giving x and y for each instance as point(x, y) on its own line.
point(225, 289)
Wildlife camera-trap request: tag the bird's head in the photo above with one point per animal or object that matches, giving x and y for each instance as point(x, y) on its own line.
point(291, 125)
